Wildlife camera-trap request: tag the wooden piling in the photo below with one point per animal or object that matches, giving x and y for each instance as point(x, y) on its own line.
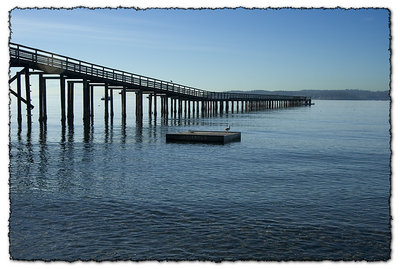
point(162, 105)
point(19, 104)
point(155, 105)
point(92, 103)
point(175, 103)
point(150, 104)
point(123, 102)
point(70, 102)
point(166, 106)
point(86, 101)
point(139, 106)
point(171, 99)
point(111, 104)
point(106, 101)
point(62, 98)
point(28, 98)
point(41, 94)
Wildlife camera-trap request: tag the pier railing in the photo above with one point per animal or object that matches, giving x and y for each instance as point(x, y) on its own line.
point(21, 53)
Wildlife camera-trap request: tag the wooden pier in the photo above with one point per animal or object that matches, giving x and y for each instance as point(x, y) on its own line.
point(174, 100)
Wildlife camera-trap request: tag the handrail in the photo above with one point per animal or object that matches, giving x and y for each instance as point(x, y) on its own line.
point(75, 65)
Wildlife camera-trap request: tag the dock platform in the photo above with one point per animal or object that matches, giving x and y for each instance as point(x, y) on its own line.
point(213, 137)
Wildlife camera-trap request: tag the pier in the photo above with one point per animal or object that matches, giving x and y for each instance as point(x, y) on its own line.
point(172, 99)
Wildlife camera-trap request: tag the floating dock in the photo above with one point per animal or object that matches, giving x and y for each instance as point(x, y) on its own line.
point(213, 137)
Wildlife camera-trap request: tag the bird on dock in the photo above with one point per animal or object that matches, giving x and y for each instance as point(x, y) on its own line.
point(227, 128)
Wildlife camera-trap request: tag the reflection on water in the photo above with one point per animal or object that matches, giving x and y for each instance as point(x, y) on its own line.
point(115, 190)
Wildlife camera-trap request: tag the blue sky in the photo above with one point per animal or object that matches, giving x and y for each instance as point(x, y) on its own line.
point(223, 49)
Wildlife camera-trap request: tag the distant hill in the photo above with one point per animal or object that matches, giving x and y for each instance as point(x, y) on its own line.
point(330, 94)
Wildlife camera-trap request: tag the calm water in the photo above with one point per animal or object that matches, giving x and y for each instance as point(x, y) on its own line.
point(308, 183)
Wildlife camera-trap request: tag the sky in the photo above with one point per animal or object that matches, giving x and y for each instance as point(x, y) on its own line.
point(222, 49)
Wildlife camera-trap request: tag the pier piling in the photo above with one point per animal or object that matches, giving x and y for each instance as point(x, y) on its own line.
point(106, 90)
point(70, 102)
point(19, 104)
point(62, 98)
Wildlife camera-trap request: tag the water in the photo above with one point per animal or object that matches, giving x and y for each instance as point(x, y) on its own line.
point(306, 183)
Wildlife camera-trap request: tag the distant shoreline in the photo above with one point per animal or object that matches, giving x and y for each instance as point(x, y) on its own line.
point(330, 94)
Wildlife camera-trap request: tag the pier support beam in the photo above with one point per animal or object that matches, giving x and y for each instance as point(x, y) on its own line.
point(179, 107)
point(162, 105)
point(155, 105)
point(106, 90)
point(111, 104)
point(123, 103)
point(139, 106)
point(62, 98)
point(28, 98)
point(150, 97)
point(42, 99)
point(166, 107)
point(171, 106)
point(86, 101)
point(175, 104)
point(19, 104)
point(91, 103)
point(70, 102)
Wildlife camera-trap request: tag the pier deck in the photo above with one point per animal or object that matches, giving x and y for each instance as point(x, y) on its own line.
point(167, 98)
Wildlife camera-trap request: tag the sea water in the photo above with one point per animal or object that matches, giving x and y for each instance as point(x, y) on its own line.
point(305, 183)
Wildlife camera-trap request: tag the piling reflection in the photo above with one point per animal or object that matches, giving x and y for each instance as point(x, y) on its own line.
point(43, 133)
point(87, 134)
point(43, 157)
point(70, 135)
point(63, 133)
point(123, 132)
point(139, 134)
